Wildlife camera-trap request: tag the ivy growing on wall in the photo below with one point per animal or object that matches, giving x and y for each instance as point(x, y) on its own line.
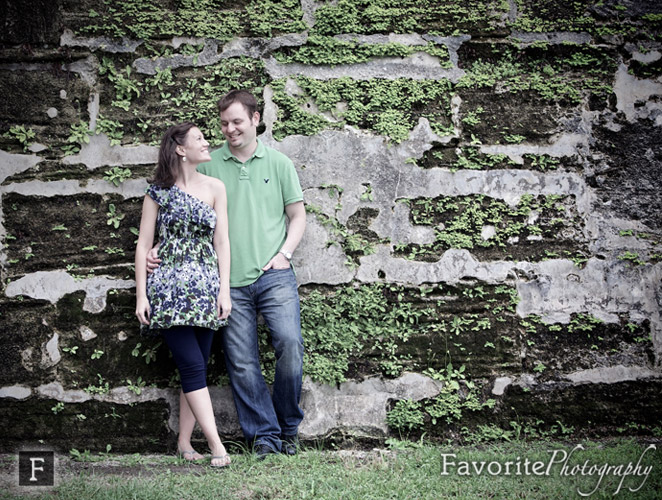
point(557, 73)
point(151, 19)
point(598, 18)
point(387, 107)
point(139, 107)
point(332, 51)
point(408, 16)
point(480, 222)
point(380, 328)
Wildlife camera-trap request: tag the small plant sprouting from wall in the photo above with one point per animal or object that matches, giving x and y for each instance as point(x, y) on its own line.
point(324, 50)
point(151, 19)
point(457, 396)
point(21, 134)
point(387, 107)
point(486, 225)
point(556, 74)
point(139, 107)
point(408, 16)
point(117, 175)
point(381, 328)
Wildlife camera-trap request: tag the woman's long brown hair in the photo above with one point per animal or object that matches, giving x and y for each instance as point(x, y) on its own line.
point(167, 166)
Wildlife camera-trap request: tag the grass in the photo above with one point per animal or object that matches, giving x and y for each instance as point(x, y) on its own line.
point(405, 471)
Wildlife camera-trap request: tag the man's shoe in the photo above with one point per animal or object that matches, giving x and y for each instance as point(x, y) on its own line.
point(262, 450)
point(289, 445)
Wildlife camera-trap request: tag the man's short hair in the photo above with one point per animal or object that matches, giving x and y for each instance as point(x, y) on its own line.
point(243, 96)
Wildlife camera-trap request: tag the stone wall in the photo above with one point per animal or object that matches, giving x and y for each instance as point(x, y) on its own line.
point(483, 183)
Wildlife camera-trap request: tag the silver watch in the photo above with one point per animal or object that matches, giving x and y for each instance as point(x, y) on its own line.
point(287, 254)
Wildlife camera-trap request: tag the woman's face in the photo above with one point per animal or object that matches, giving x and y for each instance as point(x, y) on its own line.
point(196, 148)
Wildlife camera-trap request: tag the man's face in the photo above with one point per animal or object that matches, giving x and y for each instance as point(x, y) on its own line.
point(238, 127)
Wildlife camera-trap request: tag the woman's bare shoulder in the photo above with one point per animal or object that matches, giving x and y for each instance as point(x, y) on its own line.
point(213, 181)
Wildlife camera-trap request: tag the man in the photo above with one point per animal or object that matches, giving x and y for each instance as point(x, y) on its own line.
point(263, 191)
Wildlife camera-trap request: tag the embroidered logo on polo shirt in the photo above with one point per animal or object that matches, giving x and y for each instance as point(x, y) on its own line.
point(266, 181)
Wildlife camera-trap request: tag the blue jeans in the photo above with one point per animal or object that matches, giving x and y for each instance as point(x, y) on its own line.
point(265, 418)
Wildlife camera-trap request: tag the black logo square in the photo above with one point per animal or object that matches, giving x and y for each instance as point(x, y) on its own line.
point(36, 468)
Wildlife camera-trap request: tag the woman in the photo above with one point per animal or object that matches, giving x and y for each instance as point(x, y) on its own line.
point(187, 297)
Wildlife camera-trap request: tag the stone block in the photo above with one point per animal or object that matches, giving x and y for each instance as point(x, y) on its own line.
point(509, 117)
point(115, 352)
point(75, 231)
point(34, 91)
point(587, 343)
point(90, 425)
point(593, 408)
point(24, 333)
point(628, 172)
point(169, 97)
point(30, 22)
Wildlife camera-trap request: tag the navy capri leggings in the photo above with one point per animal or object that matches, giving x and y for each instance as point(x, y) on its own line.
point(190, 346)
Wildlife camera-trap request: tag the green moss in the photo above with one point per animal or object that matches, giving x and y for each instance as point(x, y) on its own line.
point(387, 107)
point(646, 70)
point(87, 221)
point(321, 50)
point(460, 222)
point(585, 341)
point(355, 322)
point(137, 108)
point(408, 16)
point(544, 16)
point(597, 19)
point(471, 159)
point(151, 19)
point(270, 18)
point(361, 330)
point(562, 73)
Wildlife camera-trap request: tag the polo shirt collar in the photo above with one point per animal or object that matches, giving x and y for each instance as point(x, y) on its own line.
point(258, 153)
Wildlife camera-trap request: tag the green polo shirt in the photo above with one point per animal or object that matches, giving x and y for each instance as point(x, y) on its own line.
point(258, 192)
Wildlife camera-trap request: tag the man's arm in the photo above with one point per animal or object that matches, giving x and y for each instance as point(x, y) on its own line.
point(296, 213)
point(152, 258)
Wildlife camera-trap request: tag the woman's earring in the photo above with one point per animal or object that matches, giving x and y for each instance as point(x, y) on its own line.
point(183, 158)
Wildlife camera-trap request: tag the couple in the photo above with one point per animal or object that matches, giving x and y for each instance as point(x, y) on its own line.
point(206, 208)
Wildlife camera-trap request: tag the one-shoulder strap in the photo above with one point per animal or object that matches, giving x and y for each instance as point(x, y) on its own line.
point(160, 195)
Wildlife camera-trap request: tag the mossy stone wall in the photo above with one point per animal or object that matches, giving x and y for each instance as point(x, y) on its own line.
point(482, 181)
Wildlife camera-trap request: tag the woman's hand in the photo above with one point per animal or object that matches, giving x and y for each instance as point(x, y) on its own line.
point(143, 310)
point(223, 305)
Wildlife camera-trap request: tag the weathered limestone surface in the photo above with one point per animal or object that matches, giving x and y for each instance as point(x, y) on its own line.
point(359, 408)
point(483, 186)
